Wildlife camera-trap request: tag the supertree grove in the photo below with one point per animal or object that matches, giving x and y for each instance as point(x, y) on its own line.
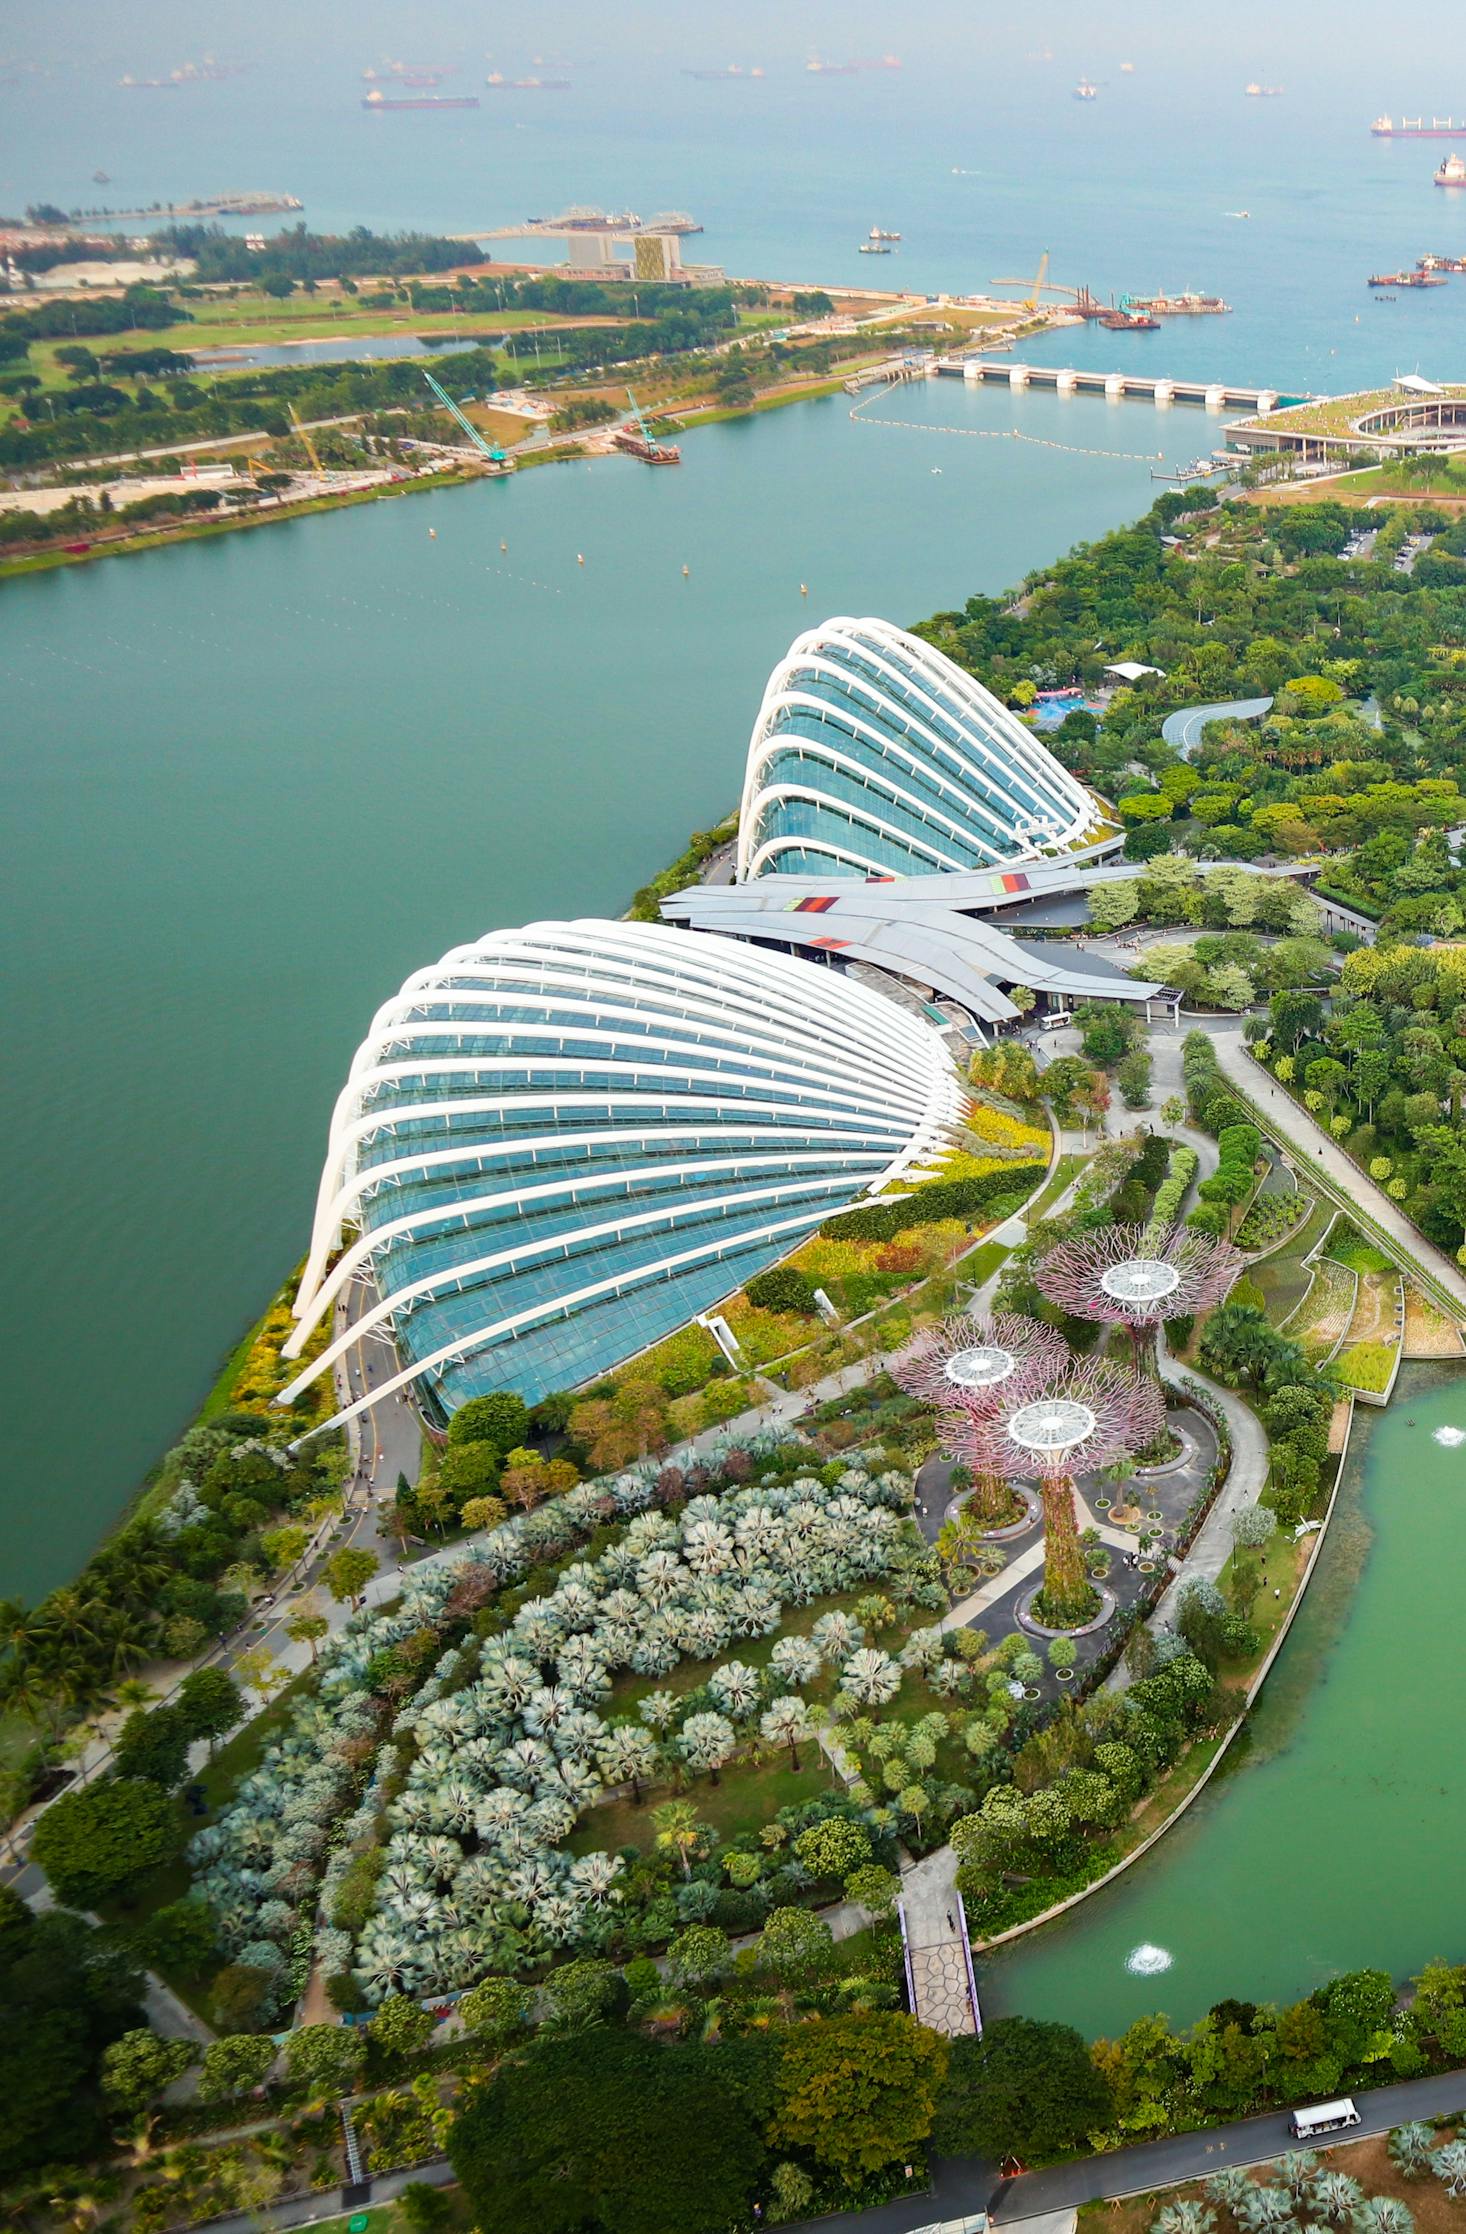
point(975, 1366)
point(1083, 1416)
point(1137, 1276)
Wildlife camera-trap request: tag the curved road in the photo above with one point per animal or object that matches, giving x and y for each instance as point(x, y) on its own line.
point(1183, 728)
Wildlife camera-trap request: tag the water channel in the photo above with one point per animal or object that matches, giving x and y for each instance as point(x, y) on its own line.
point(1333, 1836)
point(251, 782)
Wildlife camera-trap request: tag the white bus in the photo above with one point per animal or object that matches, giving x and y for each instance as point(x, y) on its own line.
point(1325, 2117)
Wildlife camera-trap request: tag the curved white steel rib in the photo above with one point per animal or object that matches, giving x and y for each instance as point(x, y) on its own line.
point(579, 1099)
point(934, 733)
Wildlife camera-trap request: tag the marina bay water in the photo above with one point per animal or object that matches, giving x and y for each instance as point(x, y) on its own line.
point(1332, 1836)
point(252, 782)
point(974, 151)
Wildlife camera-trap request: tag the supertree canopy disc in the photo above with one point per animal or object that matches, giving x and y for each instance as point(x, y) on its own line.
point(1136, 1276)
point(1085, 1415)
point(975, 1364)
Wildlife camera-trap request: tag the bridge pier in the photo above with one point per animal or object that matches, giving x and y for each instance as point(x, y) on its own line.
point(1216, 399)
point(1164, 391)
point(1114, 386)
point(1066, 383)
point(1018, 376)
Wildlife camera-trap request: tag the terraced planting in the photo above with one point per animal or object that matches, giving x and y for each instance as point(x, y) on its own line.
point(1322, 1318)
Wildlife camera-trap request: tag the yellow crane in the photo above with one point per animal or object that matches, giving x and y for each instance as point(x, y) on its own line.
point(1031, 303)
point(310, 448)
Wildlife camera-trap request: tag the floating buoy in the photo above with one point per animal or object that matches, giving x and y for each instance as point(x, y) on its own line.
point(503, 546)
point(804, 589)
point(580, 558)
point(432, 535)
point(685, 572)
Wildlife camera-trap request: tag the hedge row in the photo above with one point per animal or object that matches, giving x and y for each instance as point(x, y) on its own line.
point(951, 1198)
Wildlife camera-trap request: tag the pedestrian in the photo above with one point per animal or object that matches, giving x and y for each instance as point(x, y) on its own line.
point(1277, 1593)
point(951, 1921)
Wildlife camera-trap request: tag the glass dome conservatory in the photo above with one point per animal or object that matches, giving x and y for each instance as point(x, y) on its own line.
point(559, 1144)
point(874, 755)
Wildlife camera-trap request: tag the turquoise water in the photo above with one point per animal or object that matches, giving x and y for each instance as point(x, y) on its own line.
point(252, 782)
point(1334, 1838)
point(974, 151)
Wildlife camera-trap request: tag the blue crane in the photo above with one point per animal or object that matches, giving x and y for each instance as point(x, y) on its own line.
point(489, 450)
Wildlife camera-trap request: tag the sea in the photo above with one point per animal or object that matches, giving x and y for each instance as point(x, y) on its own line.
point(250, 784)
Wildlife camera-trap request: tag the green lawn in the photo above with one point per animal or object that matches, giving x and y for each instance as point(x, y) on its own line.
point(748, 1795)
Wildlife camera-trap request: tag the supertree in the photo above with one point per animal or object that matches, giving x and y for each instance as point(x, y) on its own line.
point(1085, 1415)
point(1136, 1276)
point(974, 1366)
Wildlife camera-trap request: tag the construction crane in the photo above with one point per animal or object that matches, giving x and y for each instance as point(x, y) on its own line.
point(310, 449)
point(489, 450)
point(1042, 285)
point(644, 444)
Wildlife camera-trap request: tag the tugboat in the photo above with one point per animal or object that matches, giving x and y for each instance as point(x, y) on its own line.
point(1452, 172)
point(1086, 91)
point(875, 233)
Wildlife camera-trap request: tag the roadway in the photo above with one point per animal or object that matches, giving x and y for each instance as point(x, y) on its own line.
point(1183, 728)
point(964, 2186)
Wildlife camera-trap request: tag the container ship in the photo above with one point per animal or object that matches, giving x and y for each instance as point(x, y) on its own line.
point(379, 101)
point(1452, 172)
point(1187, 305)
point(1416, 128)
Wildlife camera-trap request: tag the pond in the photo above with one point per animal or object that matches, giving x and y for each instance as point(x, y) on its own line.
point(1333, 1837)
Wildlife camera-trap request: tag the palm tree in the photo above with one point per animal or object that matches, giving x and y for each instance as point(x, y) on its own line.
point(1384, 2214)
point(1184, 2217)
point(628, 1755)
point(678, 1831)
point(1264, 2210)
point(1336, 2197)
point(785, 1723)
point(1228, 2187)
point(1411, 2146)
point(1449, 2165)
point(871, 1676)
point(707, 1741)
point(1298, 2168)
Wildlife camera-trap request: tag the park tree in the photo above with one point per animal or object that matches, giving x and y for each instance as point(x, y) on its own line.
point(699, 1956)
point(325, 2059)
point(496, 2010)
point(499, 1419)
point(834, 1847)
point(100, 1840)
point(795, 1945)
point(69, 1992)
point(210, 1703)
point(400, 2028)
point(234, 2065)
point(140, 2067)
point(348, 1571)
point(858, 2092)
point(611, 2131)
point(155, 1746)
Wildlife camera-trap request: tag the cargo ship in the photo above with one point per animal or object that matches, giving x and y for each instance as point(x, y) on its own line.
point(875, 248)
point(1086, 91)
point(1127, 321)
point(498, 83)
point(1256, 92)
point(379, 101)
point(875, 233)
point(672, 221)
point(1452, 172)
point(638, 444)
point(1188, 305)
point(733, 70)
point(1441, 263)
point(1417, 278)
point(1416, 128)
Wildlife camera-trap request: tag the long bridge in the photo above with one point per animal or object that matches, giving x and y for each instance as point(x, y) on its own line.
point(1068, 380)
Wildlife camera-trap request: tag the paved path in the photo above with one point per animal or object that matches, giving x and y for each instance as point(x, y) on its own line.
point(1183, 728)
point(1319, 1153)
point(963, 2186)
